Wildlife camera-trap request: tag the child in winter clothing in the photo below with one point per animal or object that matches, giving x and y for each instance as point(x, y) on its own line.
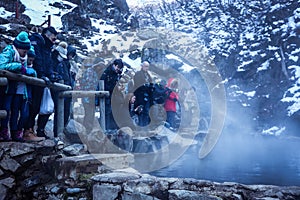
point(14, 58)
point(29, 135)
point(170, 103)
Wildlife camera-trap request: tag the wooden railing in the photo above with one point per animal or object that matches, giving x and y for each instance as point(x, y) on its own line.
point(64, 91)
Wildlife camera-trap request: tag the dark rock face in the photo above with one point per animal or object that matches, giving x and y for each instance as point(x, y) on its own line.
point(10, 5)
point(75, 21)
point(115, 12)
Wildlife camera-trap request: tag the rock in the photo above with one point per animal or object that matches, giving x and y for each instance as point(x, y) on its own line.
point(55, 190)
point(137, 196)
point(15, 29)
point(9, 164)
point(18, 149)
point(74, 190)
point(72, 167)
point(31, 182)
point(8, 182)
point(3, 192)
point(3, 20)
point(124, 139)
point(115, 177)
point(189, 195)
point(11, 6)
point(75, 20)
point(106, 191)
point(75, 149)
point(73, 130)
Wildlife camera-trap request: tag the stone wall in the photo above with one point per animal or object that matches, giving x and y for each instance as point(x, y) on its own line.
point(131, 186)
point(43, 171)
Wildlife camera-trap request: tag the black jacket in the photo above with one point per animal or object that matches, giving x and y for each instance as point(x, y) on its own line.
point(61, 68)
point(110, 77)
point(42, 62)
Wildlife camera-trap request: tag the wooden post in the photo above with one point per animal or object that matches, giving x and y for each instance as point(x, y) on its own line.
point(60, 116)
point(3, 114)
point(17, 9)
point(102, 106)
point(3, 81)
point(49, 20)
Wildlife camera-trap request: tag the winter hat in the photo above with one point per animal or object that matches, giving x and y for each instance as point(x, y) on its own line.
point(31, 52)
point(51, 29)
point(22, 41)
point(119, 63)
point(62, 49)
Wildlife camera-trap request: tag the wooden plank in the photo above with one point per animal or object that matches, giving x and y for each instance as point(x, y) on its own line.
point(82, 93)
point(33, 80)
point(3, 81)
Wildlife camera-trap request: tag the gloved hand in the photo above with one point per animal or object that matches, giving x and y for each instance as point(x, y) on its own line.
point(31, 72)
point(46, 79)
point(55, 77)
point(23, 69)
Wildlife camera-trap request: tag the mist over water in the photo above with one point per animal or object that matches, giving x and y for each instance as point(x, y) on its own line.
point(245, 159)
point(243, 156)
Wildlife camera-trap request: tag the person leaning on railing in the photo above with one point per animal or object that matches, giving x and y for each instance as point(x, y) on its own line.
point(43, 44)
point(14, 59)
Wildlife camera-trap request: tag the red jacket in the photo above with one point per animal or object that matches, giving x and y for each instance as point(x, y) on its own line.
point(170, 104)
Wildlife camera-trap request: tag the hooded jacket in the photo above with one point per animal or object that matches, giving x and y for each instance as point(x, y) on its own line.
point(7, 63)
point(7, 60)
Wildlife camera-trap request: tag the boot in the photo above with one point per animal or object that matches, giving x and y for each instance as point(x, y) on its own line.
point(41, 133)
point(17, 136)
point(29, 136)
point(4, 135)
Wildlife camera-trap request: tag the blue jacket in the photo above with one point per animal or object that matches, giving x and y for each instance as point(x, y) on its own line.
point(7, 63)
point(7, 60)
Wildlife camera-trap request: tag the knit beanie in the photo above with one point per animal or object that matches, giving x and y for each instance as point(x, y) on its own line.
point(31, 52)
point(62, 49)
point(22, 41)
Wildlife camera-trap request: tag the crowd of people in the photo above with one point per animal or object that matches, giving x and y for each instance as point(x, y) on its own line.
point(40, 55)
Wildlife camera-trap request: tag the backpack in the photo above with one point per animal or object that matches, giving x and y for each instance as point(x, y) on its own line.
point(160, 93)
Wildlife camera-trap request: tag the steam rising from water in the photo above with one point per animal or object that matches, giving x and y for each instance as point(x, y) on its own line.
point(241, 155)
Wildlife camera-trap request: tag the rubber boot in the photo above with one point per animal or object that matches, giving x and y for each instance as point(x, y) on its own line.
point(17, 136)
point(4, 135)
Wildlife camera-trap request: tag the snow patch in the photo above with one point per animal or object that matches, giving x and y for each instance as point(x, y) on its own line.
point(276, 131)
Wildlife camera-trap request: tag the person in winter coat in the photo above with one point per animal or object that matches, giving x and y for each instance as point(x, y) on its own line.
point(170, 103)
point(14, 59)
point(61, 73)
point(142, 81)
point(111, 76)
point(43, 65)
point(28, 136)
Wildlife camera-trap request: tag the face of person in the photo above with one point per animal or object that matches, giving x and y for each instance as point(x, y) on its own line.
point(51, 37)
point(145, 66)
point(22, 52)
point(133, 98)
point(117, 68)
